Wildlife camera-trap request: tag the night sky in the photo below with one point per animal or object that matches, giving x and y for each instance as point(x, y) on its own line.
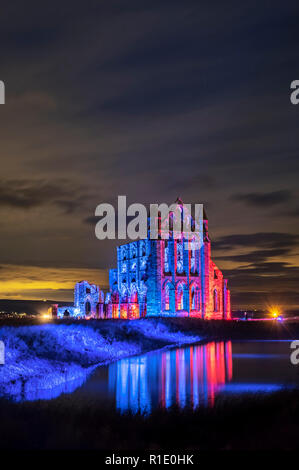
point(153, 100)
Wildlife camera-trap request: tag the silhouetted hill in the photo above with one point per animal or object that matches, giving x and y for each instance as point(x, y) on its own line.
point(31, 307)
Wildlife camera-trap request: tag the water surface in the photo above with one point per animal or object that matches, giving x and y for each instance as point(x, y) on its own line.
point(191, 376)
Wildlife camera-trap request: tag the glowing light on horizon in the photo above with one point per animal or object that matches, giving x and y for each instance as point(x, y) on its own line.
point(45, 316)
point(275, 312)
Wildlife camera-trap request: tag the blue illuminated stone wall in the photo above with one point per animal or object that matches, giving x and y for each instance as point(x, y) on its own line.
point(157, 277)
point(88, 302)
point(169, 280)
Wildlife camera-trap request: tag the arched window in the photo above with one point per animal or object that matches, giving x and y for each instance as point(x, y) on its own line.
point(115, 297)
point(216, 302)
point(166, 257)
point(193, 299)
point(192, 260)
point(180, 263)
point(134, 294)
point(124, 294)
point(87, 308)
point(180, 297)
point(167, 297)
point(143, 250)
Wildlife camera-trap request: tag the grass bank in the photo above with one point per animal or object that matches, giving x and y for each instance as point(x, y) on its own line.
point(47, 356)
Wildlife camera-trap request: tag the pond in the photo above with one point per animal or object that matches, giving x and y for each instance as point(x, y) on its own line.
point(191, 376)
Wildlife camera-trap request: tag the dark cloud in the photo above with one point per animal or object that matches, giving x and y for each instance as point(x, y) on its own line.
point(288, 300)
point(268, 273)
point(255, 256)
point(92, 220)
point(262, 283)
point(271, 240)
point(264, 199)
point(260, 279)
point(291, 213)
point(27, 194)
point(269, 268)
point(204, 181)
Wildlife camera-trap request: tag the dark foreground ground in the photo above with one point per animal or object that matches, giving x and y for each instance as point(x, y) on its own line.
point(254, 422)
point(247, 423)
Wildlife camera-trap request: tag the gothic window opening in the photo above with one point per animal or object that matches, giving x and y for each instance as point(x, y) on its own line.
point(167, 297)
point(124, 294)
point(143, 251)
point(192, 261)
point(115, 297)
point(166, 257)
point(87, 308)
point(171, 224)
point(180, 298)
point(216, 303)
point(134, 295)
point(180, 263)
point(193, 299)
point(143, 264)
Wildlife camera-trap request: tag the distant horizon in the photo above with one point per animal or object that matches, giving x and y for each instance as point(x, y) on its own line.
point(39, 283)
point(70, 301)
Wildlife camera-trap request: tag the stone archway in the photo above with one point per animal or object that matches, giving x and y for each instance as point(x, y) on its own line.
point(87, 308)
point(182, 297)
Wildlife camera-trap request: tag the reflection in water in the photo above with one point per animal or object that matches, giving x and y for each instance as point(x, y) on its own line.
point(21, 390)
point(188, 376)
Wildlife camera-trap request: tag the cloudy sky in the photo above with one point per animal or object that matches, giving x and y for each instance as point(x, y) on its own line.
point(153, 100)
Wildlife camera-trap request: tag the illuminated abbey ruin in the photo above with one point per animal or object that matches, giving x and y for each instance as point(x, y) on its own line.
point(158, 278)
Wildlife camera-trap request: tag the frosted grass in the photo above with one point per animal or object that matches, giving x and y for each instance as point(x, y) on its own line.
point(43, 361)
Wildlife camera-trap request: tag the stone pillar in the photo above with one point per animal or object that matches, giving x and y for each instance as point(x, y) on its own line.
point(226, 301)
point(54, 310)
point(205, 276)
point(154, 282)
point(186, 258)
